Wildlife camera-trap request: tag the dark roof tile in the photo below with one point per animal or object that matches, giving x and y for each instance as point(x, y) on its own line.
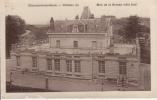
point(84, 25)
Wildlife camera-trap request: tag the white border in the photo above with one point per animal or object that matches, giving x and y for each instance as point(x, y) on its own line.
point(105, 94)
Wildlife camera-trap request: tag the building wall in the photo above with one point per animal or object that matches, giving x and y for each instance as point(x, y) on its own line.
point(89, 66)
point(26, 62)
point(84, 41)
point(103, 42)
point(42, 64)
point(133, 72)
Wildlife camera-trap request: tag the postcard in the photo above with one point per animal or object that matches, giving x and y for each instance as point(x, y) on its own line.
point(78, 49)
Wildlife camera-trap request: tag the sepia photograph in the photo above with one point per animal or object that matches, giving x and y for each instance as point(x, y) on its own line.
point(77, 46)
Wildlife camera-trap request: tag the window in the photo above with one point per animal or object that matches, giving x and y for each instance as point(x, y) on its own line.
point(68, 57)
point(57, 64)
point(75, 28)
point(18, 60)
point(77, 66)
point(34, 60)
point(69, 65)
point(101, 66)
point(75, 44)
point(86, 28)
point(122, 67)
point(57, 43)
point(69, 28)
point(76, 56)
point(81, 28)
point(57, 56)
point(94, 44)
point(49, 64)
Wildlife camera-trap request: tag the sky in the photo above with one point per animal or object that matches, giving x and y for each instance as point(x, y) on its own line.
point(42, 14)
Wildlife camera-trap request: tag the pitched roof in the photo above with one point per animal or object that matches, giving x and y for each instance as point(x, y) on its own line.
point(97, 25)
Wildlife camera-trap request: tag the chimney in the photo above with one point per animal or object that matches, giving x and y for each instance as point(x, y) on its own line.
point(52, 27)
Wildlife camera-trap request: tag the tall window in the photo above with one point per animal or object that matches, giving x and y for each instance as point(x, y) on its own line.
point(86, 28)
point(18, 60)
point(49, 64)
point(69, 65)
point(57, 64)
point(75, 44)
point(34, 61)
point(57, 43)
point(94, 44)
point(77, 65)
point(122, 67)
point(101, 66)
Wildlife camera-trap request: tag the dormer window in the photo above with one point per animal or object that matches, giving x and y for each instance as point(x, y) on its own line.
point(75, 28)
point(81, 28)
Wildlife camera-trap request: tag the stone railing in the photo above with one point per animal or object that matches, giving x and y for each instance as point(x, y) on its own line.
point(28, 45)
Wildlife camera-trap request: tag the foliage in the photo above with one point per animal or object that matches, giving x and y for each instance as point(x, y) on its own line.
point(133, 29)
point(15, 26)
point(39, 32)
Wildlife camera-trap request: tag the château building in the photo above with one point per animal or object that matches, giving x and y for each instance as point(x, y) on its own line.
point(80, 49)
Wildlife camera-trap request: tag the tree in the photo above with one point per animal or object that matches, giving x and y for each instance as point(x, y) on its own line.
point(15, 26)
point(39, 32)
point(135, 28)
point(132, 28)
